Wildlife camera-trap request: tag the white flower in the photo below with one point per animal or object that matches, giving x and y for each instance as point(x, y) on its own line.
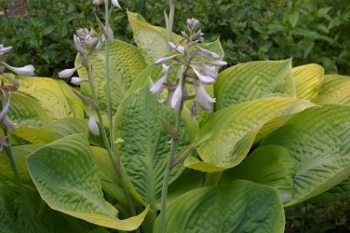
point(97, 2)
point(27, 70)
point(4, 49)
point(68, 72)
point(116, 4)
point(93, 127)
point(203, 99)
point(78, 81)
point(203, 78)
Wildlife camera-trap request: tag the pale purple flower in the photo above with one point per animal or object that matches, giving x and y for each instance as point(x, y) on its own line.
point(3, 142)
point(216, 63)
point(27, 70)
point(177, 97)
point(8, 124)
point(207, 53)
point(203, 99)
point(165, 59)
point(68, 72)
point(97, 2)
point(203, 78)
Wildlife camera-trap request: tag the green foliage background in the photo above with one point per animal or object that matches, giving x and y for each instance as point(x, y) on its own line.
point(310, 31)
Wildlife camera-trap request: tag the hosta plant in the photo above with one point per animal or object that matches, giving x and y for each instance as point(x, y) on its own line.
point(219, 152)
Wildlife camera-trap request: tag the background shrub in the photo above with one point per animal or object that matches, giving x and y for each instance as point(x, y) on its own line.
point(309, 31)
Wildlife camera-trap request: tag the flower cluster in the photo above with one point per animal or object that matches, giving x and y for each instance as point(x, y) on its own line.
point(85, 41)
point(6, 90)
point(196, 66)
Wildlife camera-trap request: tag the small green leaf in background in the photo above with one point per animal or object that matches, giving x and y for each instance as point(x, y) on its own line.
point(293, 18)
point(270, 165)
point(125, 63)
point(334, 90)
point(66, 177)
point(318, 140)
point(239, 207)
point(231, 132)
point(308, 79)
point(252, 81)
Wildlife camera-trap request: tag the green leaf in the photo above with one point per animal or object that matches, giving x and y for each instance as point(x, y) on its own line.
point(56, 130)
point(318, 140)
point(14, 217)
point(308, 79)
point(66, 177)
point(293, 18)
point(239, 207)
point(27, 112)
point(231, 132)
point(337, 193)
point(19, 152)
point(54, 96)
point(151, 40)
point(145, 149)
point(270, 165)
point(334, 90)
point(125, 63)
point(109, 181)
point(252, 81)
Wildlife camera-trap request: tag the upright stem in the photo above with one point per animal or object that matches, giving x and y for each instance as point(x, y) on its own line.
point(108, 90)
point(168, 168)
point(171, 19)
point(27, 203)
point(114, 159)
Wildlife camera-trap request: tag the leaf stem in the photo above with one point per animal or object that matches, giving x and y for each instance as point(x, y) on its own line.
point(168, 169)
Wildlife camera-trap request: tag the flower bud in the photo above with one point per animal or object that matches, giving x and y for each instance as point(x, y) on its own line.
point(68, 72)
point(116, 4)
point(27, 70)
point(93, 127)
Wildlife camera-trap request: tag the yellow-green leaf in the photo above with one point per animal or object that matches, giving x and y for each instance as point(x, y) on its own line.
point(334, 90)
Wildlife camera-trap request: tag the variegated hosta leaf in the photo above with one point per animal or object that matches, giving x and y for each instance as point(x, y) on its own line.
point(26, 111)
point(270, 165)
point(318, 140)
point(54, 96)
point(230, 133)
point(151, 40)
point(66, 177)
point(15, 218)
point(56, 130)
point(252, 81)
point(239, 207)
point(334, 90)
point(308, 79)
point(125, 63)
point(145, 150)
